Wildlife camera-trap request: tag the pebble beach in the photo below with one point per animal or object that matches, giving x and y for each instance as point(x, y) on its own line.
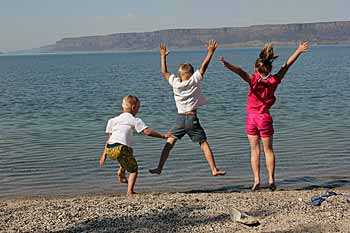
point(279, 211)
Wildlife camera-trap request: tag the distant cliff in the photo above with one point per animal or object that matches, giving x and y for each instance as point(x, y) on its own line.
point(317, 33)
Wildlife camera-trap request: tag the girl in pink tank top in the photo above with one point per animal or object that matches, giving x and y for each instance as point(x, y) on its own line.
point(261, 97)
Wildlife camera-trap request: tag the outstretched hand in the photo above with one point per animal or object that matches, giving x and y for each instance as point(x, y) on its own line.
point(163, 50)
point(167, 135)
point(212, 45)
point(303, 46)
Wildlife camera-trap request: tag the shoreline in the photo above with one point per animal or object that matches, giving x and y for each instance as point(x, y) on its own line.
point(219, 190)
point(279, 211)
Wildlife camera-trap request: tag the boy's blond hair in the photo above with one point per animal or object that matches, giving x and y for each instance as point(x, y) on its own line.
point(129, 101)
point(186, 70)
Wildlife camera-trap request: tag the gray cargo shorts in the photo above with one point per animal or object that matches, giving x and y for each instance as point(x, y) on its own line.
point(188, 124)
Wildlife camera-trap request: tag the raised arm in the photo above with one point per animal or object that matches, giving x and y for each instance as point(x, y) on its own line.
point(212, 45)
point(303, 47)
point(163, 53)
point(238, 70)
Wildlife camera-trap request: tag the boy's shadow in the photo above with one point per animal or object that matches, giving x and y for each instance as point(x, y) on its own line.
point(164, 220)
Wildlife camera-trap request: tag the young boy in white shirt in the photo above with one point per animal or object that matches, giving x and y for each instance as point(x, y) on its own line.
point(188, 97)
point(118, 145)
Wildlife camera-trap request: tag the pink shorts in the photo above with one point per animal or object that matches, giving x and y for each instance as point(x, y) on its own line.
point(259, 124)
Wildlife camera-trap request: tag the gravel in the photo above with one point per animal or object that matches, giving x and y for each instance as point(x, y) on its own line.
point(278, 212)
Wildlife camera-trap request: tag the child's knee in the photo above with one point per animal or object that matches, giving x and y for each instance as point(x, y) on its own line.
point(268, 149)
point(134, 172)
point(128, 162)
point(133, 166)
point(171, 140)
point(204, 145)
point(133, 169)
point(203, 142)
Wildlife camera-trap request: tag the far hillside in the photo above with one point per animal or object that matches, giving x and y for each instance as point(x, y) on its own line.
point(283, 34)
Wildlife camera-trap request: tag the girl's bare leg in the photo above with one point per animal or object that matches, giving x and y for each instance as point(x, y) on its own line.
point(254, 142)
point(270, 161)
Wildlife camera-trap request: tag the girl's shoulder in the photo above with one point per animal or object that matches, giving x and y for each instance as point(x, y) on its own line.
point(275, 79)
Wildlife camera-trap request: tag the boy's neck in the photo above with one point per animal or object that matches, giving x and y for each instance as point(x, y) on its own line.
point(129, 111)
point(184, 78)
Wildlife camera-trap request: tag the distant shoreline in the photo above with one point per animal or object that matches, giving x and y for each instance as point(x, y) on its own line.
point(335, 32)
point(194, 49)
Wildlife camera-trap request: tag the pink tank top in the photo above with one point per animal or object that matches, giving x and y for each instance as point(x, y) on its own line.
point(261, 93)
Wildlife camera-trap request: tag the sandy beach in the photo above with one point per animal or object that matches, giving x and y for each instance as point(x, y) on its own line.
point(279, 211)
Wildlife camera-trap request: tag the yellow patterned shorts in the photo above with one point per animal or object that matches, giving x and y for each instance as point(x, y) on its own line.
point(124, 155)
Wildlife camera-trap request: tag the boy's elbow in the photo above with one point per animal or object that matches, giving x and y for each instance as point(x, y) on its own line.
point(166, 75)
point(147, 131)
point(202, 71)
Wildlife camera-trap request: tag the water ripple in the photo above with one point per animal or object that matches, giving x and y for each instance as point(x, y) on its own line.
point(54, 110)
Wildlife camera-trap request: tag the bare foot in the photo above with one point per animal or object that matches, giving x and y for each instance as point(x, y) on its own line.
point(272, 187)
point(219, 173)
point(155, 171)
point(131, 195)
point(256, 187)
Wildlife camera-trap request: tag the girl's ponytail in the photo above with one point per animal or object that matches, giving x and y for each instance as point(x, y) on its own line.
point(264, 63)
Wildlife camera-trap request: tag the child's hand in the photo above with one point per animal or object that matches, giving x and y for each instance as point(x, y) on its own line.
point(167, 135)
point(303, 46)
point(212, 45)
point(102, 160)
point(163, 50)
point(222, 60)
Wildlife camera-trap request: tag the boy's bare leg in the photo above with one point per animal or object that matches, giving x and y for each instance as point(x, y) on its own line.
point(254, 142)
point(121, 174)
point(164, 156)
point(270, 161)
point(210, 158)
point(131, 183)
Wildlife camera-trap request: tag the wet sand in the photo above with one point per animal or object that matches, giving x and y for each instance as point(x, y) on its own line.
point(279, 211)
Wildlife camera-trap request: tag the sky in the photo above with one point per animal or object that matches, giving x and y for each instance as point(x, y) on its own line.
point(26, 24)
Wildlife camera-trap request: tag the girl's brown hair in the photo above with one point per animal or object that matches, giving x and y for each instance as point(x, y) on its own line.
point(264, 62)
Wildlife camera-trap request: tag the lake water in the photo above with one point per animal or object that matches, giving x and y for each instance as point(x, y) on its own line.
point(54, 109)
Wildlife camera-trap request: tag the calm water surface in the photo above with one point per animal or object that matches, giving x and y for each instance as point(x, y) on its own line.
point(54, 109)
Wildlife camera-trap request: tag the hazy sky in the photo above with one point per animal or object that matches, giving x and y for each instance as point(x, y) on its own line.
point(34, 23)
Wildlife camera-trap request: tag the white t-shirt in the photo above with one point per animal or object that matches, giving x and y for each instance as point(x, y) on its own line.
point(188, 94)
point(122, 128)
